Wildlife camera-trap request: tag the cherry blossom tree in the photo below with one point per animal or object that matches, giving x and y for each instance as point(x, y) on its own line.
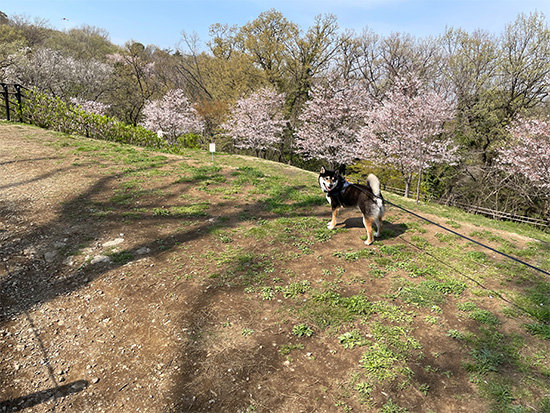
point(90, 106)
point(529, 152)
point(256, 122)
point(404, 130)
point(331, 120)
point(62, 76)
point(173, 115)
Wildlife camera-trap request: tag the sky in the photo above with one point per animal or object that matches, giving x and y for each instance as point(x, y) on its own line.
point(161, 22)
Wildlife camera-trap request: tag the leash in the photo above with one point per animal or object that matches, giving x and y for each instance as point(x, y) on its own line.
point(454, 232)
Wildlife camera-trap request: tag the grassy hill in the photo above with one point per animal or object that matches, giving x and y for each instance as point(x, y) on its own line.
point(133, 279)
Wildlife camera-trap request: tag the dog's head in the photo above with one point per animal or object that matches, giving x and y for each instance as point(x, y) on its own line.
point(328, 179)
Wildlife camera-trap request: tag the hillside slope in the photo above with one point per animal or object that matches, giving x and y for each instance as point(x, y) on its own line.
point(139, 281)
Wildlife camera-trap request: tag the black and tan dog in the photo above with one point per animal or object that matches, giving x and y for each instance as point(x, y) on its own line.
point(368, 198)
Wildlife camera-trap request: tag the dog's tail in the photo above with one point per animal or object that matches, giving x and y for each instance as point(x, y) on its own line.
point(374, 184)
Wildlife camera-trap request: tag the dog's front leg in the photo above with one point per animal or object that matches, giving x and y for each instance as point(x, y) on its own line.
point(332, 223)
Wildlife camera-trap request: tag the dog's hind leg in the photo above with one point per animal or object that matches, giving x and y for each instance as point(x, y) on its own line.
point(378, 223)
point(368, 225)
point(332, 223)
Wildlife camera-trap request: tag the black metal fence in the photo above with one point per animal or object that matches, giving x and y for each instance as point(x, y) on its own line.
point(12, 99)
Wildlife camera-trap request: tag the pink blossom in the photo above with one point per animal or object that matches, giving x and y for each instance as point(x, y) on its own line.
point(91, 106)
point(331, 121)
point(528, 154)
point(173, 115)
point(256, 121)
point(404, 130)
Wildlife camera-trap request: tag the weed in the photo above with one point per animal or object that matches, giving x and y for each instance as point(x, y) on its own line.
point(294, 289)
point(484, 316)
point(267, 293)
point(301, 330)
point(391, 407)
point(420, 242)
point(286, 349)
point(380, 362)
point(477, 256)
point(424, 388)
point(364, 390)
point(455, 334)
point(352, 339)
point(478, 314)
point(247, 332)
point(430, 319)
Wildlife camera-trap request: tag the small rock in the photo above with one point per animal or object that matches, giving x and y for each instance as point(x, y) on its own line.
point(95, 380)
point(69, 261)
point(112, 243)
point(30, 251)
point(143, 251)
point(50, 256)
point(100, 259)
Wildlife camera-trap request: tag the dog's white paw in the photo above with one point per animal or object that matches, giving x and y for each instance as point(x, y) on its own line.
point(377, 234)
point(368, 243)
point(330, 226)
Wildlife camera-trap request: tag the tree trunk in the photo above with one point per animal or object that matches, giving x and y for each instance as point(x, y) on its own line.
point(407, 187)
point(418, 185)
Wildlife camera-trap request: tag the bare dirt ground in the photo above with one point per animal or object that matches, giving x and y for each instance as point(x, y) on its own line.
point(107, 308)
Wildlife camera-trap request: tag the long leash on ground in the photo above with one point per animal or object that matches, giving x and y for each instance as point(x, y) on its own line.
point(456, 233)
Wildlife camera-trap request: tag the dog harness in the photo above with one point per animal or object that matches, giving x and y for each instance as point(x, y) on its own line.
point(337, 193)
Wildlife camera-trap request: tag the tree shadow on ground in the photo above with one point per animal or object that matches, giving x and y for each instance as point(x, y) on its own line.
point(29, 280)
point(34, 399)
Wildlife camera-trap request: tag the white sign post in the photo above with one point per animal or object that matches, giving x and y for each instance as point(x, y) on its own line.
point(212, 148)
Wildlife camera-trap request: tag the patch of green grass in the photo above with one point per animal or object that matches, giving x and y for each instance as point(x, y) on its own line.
point(242, 267)
point(430, 292)
point(536, 302)
point(354, 255)
point(296, 288)
point(478, 314)
point(447, 237)
point(414, 227)
point(122, 257)
point(127, 196)
point(420, 242)
point(194, 210)
point(286, 349)
point(381, 363)
point(328, 309)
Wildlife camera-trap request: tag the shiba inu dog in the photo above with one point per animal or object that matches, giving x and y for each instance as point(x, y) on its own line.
point(341, 194)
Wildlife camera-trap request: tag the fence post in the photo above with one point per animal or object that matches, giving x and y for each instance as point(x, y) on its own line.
point(19, 101)
point(6, 100)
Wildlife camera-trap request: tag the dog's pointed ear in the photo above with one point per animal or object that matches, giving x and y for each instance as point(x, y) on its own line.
point(323, 169)
point(337, 173)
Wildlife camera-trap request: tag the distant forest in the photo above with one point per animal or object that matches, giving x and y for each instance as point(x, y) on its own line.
point(463, 116)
